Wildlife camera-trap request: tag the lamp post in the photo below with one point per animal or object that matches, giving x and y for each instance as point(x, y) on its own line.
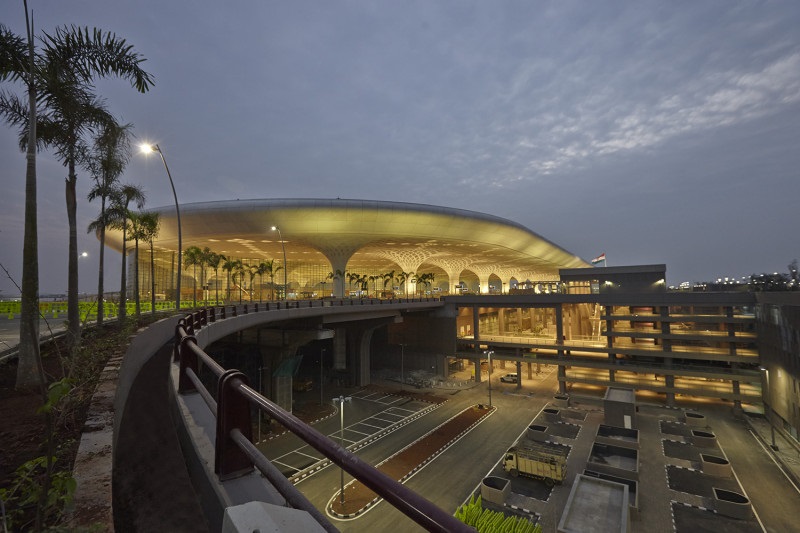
point(340, 400)
point(321, 357)
point(402, 370)
point(283, 247)
point(489, 355)
point(147, 148)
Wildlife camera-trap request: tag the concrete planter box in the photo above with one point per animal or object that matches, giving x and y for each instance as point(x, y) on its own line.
point(561, 400)
point(695, 419)
point(715, 465)
point(495, 489)
point(538, 432)
point(733, 504)
point(704, 439)
point(614, 460)
point(551, 414)
point(616, 436)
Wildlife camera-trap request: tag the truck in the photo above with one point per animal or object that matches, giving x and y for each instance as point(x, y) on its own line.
point(548, 463)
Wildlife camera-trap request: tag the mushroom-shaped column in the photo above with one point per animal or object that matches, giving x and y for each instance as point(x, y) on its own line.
point(338, 253)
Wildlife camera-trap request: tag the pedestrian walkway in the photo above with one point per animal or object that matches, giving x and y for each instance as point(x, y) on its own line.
point(786, 451)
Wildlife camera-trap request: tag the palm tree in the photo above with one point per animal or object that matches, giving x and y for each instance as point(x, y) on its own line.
point(62, 77)
point(150, 224)
point(228, 265)
point(352, 277)
point(389, 277)
point(425, 279)
point(17, 62)
point(106, 162)
point(271, 269)
point(214, 260)
point(402, 277)
point(203, 258)
point(237, 272)
point(120, 200)
point(192, 258)
point(137, 222)
point(374, 279)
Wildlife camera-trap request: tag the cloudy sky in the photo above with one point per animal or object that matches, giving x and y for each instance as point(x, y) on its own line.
point(652, 131)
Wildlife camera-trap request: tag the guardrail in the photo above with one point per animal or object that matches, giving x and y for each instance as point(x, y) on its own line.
point(235, 454)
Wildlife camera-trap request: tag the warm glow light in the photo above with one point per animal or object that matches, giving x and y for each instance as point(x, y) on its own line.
point(146, 148)
point(274, 228)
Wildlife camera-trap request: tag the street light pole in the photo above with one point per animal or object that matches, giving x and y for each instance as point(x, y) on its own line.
point(321, 357)
point(283, 247)
point(402, 370)
point(489, 355)
point(341, 400)
point(155, 148)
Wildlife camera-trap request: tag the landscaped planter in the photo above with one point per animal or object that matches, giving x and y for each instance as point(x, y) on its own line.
point(733, 504)
point(704, 439)
point(561, 400)
point(614, 460)
point(616, 436)
point(695, 419)
point(495, 489)
point(538, 432)
point(551, 414)
point(715, 465)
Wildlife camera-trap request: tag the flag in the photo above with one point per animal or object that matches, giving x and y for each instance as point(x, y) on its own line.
point(599, 258)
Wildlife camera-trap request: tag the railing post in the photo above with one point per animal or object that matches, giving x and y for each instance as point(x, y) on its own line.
point(222, 312)
point(213, 315)
point(233, 412)
point(234, 311)
point(176, 353)
point(188, 359)
point(203, 317)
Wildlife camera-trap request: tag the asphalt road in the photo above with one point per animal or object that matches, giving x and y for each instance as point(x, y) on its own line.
point(452, 477)
point(774, 498)
point(9, 330)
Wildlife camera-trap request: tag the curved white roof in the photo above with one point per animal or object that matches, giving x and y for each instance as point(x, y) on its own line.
point(372, 234)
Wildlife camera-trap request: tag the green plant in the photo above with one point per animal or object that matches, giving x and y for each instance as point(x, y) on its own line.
point(26, 488)
point(488, 521)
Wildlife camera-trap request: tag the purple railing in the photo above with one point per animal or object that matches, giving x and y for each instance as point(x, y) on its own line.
point(235, 455)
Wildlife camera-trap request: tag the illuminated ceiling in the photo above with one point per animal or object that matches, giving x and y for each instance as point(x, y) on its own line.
point(375, 236)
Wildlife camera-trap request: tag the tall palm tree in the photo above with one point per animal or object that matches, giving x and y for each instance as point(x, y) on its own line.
point(388, 278)
point(121, 200)
point(63, 81)
point(106, 161)
point(17, 62)
point(150, 225)
point(228, 265)
point(214, 260)
point(237, 272)
point(402, 277)
point(192, 256)
point(137, 234)
point(271, 269)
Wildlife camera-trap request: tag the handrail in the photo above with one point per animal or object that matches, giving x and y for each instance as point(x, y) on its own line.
point(235, 455)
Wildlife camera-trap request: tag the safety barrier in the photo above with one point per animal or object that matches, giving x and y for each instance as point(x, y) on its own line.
point(235, 454)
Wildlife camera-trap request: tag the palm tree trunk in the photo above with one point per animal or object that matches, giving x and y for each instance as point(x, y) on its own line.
point(73, 311)
point(121, 312)
point(152, 281)
point(29, 369)
point(136, 278)
point(102, 255)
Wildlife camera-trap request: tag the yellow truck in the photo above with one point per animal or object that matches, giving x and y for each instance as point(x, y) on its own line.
point(548, 463)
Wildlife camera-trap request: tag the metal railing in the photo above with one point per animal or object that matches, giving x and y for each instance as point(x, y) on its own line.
point(235, 454)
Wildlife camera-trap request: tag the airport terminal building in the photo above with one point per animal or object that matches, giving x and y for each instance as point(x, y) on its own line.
point(498, 287)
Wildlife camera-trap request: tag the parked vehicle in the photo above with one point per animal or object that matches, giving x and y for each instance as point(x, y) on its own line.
point(302, 384)
point(510, 378)
point(538, 461)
